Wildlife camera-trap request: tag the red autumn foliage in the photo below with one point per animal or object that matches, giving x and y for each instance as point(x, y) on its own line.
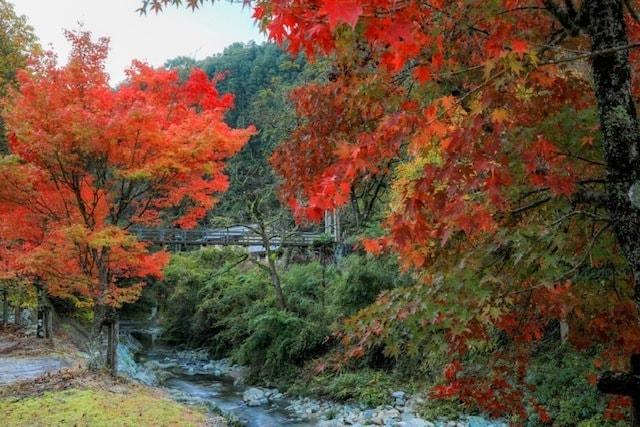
point(90, 161)
point(460, 102)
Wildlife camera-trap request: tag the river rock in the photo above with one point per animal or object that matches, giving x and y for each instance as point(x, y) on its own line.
point(474, 421)
point(330, 423)
point(391, 413)
point(238, 373)
point(367, 415)
point(399, 398)
point(414, 422)
point(255, 397)
point(398, 395)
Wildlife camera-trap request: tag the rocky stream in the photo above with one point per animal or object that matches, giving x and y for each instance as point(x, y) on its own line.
point(192, 377)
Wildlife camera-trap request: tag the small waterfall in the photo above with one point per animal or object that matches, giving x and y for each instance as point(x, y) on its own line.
point(127, 364)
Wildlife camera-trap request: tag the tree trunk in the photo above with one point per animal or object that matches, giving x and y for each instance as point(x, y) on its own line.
point(48, 321)
point(113, 330)
point(270, 258)
point(17, 315)
point(95, 338)
point(275, 278)
point(618, 120)
point(100, 323)
point(564, 331)
point(105, 317)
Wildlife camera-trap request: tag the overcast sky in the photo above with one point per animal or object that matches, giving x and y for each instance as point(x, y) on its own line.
point(152, 38)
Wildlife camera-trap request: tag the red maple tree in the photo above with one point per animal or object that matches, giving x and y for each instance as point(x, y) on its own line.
point(89, 161)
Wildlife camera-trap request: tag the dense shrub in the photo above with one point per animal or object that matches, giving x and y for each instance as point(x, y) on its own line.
point(230, 308)
point(362, 280)
point(306, 287)
point(185, 276)
point(560, 377)
point(226, 306)
point(279, 341)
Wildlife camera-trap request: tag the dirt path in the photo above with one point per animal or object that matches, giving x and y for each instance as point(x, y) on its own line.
point(14, 369)
point(24, 357)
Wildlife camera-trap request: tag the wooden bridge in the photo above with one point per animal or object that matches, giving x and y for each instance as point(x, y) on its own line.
point(238, 235)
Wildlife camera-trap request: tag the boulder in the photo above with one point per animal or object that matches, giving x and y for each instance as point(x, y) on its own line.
point(330, 423)
point(255, 397)
point(368, 415)
point(398, 395)
point(474, 421)
point(414, 422)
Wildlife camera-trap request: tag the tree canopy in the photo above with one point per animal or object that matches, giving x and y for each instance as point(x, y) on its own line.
point(89, 162)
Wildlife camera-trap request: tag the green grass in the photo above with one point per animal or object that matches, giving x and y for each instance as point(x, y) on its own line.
point(97, 408)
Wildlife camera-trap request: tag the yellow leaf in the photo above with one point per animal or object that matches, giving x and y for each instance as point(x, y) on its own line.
point(499, 115)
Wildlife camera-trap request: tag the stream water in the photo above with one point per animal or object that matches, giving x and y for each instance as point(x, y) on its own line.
point(190, 380)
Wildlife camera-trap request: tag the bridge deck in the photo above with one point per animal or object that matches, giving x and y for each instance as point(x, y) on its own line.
point(232, 236)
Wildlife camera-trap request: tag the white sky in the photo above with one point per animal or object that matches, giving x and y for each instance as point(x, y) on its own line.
point(152, 38)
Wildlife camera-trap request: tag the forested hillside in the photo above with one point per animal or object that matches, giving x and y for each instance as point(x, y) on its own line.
point(259, 76)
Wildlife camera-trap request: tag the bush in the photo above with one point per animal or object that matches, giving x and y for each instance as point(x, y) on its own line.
point(279, 341)
point(559, 375)
point(233, 312)
point(185, 276)
point(305, 286)
point(362, 280)
point(227, 304)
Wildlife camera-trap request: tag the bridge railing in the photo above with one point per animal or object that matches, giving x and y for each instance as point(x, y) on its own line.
point(232, 236)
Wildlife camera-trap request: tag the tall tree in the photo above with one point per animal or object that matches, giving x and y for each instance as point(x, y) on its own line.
point(90, 161)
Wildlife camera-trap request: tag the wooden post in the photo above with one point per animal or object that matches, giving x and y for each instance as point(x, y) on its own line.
point(564, 331)
point(44, 326)
point(48, 320)
point(625, 384)
point(40, 325)
point(328, 222)
point(113, 330)
point(332, 224)
point(5, 305)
